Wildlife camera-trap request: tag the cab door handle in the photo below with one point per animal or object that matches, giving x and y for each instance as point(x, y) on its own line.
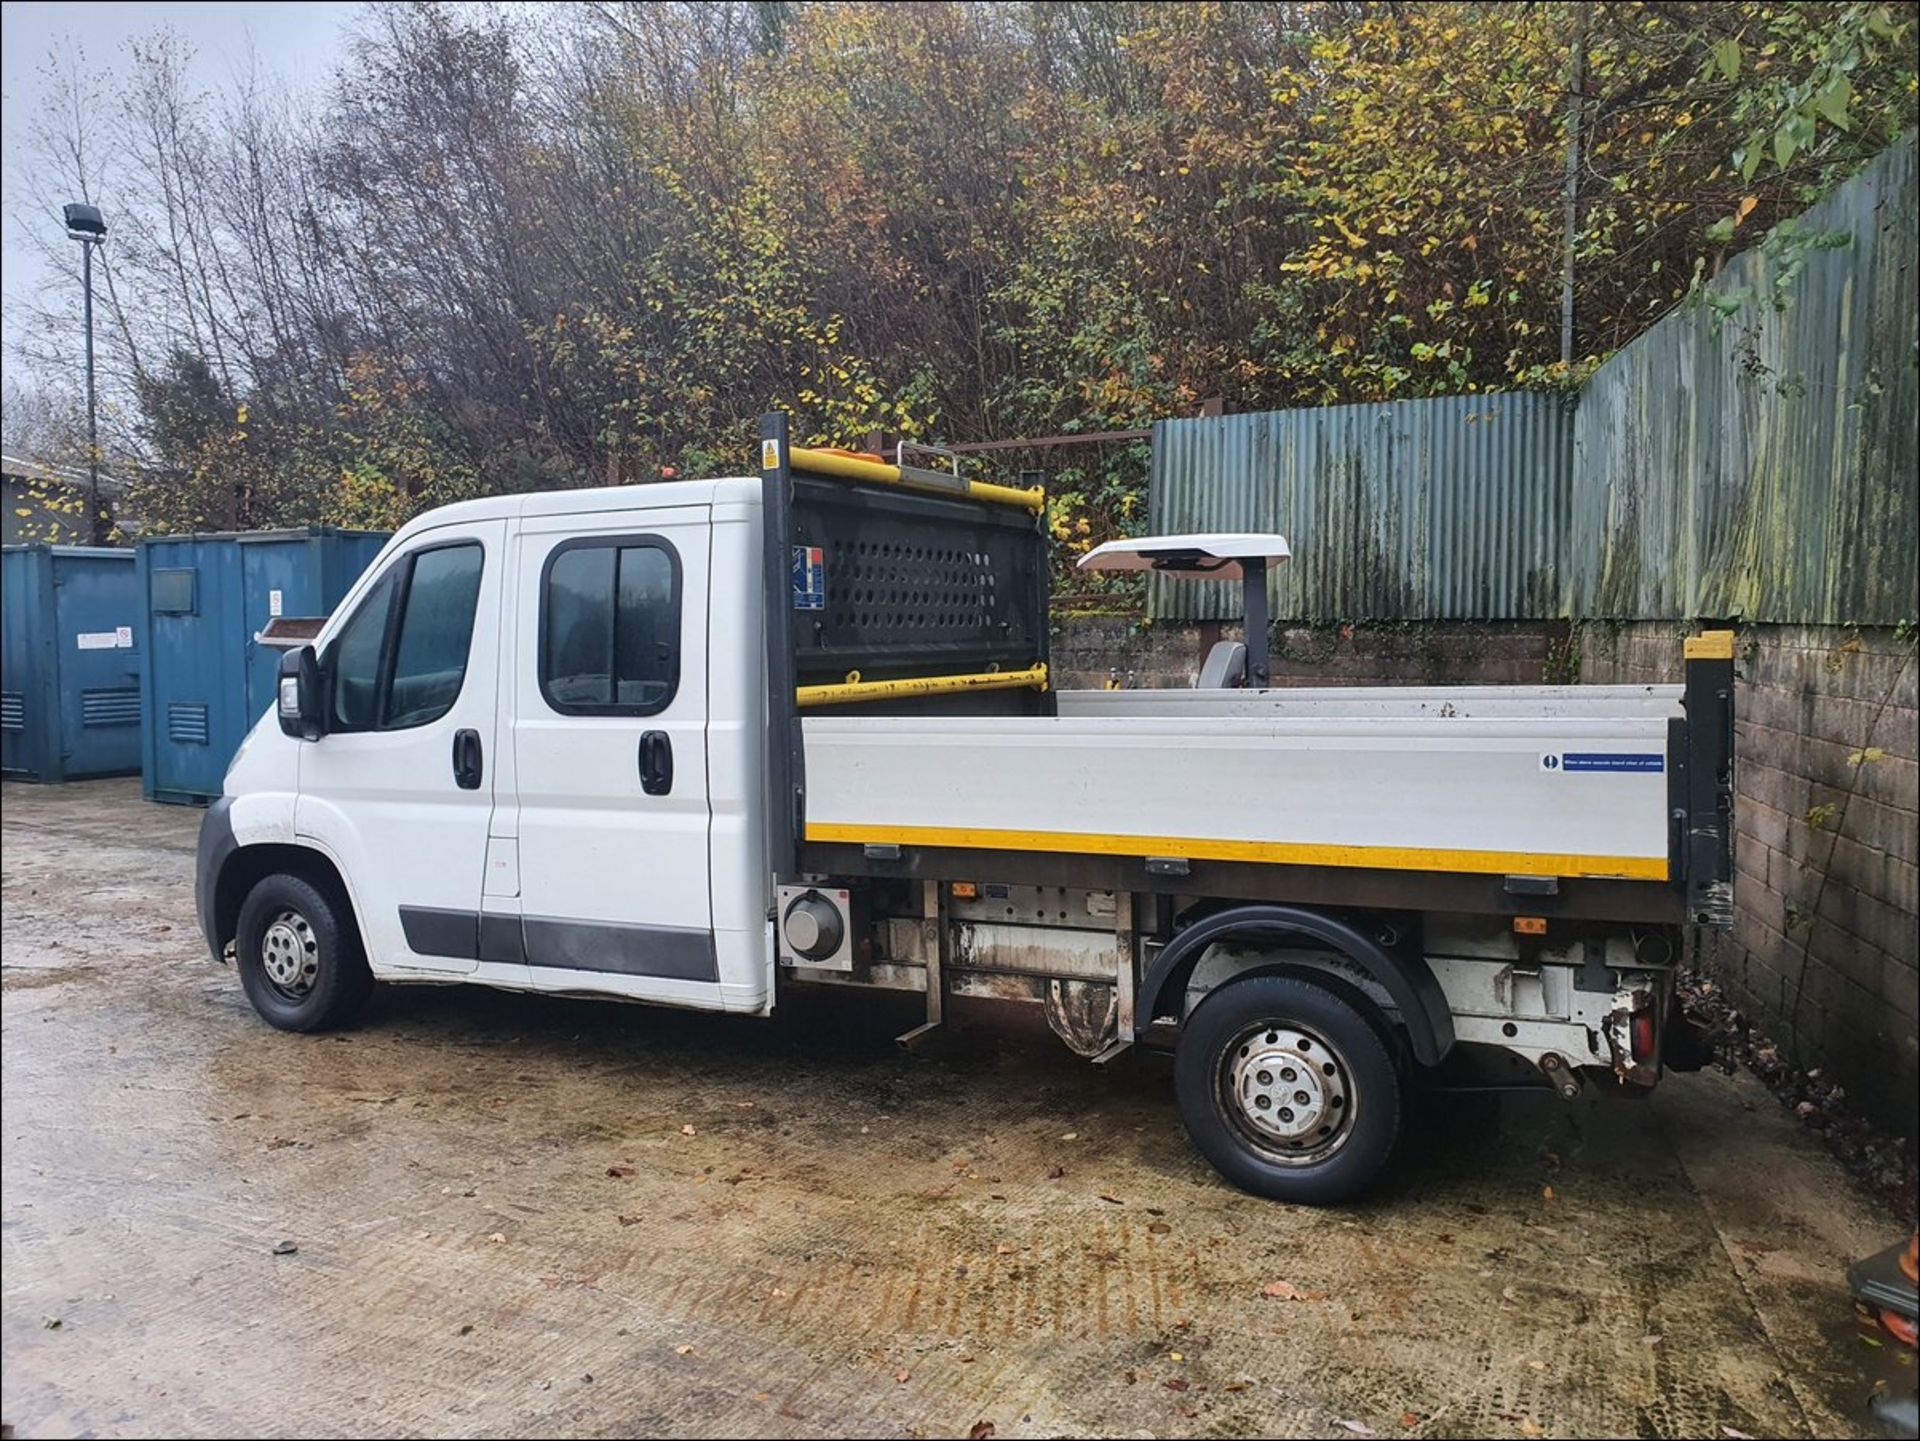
point(466, 759)
point(656, 763)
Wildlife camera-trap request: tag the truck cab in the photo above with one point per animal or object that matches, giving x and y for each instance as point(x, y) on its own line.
point(698, 742)
point(534, 760)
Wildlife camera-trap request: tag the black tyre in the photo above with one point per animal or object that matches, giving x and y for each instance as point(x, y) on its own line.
point(299, 956)
point(1288, 1090)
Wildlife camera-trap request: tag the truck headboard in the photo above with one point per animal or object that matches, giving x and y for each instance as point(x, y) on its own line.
point(892, 588)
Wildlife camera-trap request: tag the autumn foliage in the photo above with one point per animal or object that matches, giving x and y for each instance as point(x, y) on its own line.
point(514, 250)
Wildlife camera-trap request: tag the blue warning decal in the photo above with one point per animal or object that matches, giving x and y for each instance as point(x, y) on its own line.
point(809, 577)
point(1638, 762)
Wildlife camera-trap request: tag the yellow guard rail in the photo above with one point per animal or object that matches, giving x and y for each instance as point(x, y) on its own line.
point(852, 467)
point(855, 689)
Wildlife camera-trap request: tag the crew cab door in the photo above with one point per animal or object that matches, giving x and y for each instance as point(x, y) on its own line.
point(399, 791)
point(609, 722)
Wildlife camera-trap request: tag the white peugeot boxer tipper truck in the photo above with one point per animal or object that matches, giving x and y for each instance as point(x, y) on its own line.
point(698, 742)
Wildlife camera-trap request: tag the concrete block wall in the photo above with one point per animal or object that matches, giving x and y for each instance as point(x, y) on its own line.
point(1825, 950)
point(1087, 650)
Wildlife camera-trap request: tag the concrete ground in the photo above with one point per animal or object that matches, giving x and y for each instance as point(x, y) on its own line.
point(519, 1216)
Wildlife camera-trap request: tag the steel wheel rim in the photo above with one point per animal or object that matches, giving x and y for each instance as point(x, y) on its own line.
point(290, 954)
point(1286, 1092)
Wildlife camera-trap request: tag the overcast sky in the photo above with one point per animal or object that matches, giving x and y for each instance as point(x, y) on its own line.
point(295, 41)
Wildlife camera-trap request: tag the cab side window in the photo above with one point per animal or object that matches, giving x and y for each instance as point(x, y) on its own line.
point(401, 659)
point(354, 661)
point(610, 626)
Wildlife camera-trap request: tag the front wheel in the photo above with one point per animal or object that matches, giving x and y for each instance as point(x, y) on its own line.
point(299, 956)
point(1287, 1089)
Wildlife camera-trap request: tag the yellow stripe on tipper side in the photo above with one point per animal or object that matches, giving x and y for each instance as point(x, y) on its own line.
point(1288, 853)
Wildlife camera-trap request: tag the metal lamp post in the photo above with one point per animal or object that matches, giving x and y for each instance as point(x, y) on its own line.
point(86, 225)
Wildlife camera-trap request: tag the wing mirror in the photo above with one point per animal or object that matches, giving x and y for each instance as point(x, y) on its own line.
point(299, 706)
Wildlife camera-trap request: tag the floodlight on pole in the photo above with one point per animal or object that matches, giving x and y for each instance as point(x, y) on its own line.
point(86, 225)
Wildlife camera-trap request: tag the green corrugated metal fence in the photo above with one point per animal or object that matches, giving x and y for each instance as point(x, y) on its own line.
point(1759, 463)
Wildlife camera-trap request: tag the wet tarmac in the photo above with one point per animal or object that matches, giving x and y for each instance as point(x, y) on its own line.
point(523, 1216)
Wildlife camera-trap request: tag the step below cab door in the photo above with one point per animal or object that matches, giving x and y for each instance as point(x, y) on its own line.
point(609, 722)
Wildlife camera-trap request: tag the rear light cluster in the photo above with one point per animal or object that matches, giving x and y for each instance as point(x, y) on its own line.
point(1644, 1036)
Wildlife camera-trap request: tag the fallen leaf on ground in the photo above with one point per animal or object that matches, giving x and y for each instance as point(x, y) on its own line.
point(1359, 1428)
point(687, 1130)
point(980, 1431)
point(1530, 1427)
point(903, 1376)
point(628, 1220)
point(467, 1330)
point(938, 1193)
point(1003, 1250)
point(285, 1248)
point(52, 1323)
point(1111, 1200)
point(498, 1238)
point(1734, 1435)
point(619, 1170)
point(1175, 1356)
point(1175, 1384)
point(1546, 1193)
point(1054, 1173)
point(1507, 1293)
point(1071, 1136)
point(1286, 1291)
point(683, 1350)
point(1409, 1419)
point(1159, 1228)
point(1234, 1386)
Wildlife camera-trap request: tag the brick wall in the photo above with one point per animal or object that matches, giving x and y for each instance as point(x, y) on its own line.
point(1087, 650)
point(1825, 950)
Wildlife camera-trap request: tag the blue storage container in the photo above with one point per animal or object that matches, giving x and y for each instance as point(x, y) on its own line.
point(207, 677)
point(69, 666)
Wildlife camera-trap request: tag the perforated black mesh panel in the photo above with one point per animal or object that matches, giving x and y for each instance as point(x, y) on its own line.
point(915, 584)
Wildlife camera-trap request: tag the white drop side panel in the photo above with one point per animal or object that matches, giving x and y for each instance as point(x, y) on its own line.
point(1547, 796)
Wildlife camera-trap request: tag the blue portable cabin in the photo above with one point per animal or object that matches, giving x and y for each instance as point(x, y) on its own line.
point(208, 677)
point(69, 663)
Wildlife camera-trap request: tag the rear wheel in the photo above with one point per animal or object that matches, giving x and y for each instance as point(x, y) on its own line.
point(1288, 1089)
point(299, 956)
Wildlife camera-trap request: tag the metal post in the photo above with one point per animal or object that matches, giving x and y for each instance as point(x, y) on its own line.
point(1570, 191)
point(95, 528)
point(1254, 588)
point(1124, 911)
point(933, 949)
